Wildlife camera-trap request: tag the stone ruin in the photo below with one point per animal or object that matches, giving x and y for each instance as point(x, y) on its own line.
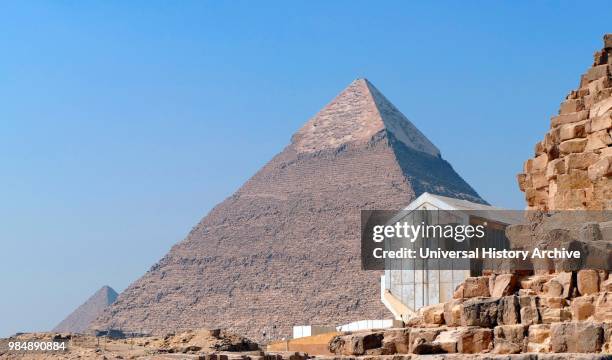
point(566, 312)
point(572, 165)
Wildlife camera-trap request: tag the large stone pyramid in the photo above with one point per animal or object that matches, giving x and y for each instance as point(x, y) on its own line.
point(81, 318)
point(284, 249)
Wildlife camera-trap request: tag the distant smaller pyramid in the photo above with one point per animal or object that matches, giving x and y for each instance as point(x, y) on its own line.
point(80, 319)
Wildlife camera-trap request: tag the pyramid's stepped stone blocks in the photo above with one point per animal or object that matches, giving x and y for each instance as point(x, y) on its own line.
point(572, 165)
point(284, 249)
point(538, 323)
point(80, 319)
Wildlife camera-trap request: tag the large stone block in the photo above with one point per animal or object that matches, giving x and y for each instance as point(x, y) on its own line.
point(576, 199)
point(539, 148)
point(603, 307)
point(458, 293)
point(479, 312)
point(539, 338)
point(601, 168)
point(397, 340)
point(596, 140)
point(596, 72)
point(524, 181)
point(452, 312)
point(433, 314)
point(571, 105)
point(502, 284)
point(606, 285)
point(448, 340)
point(553, 315)
point(576, 337)
point(509, 310)
point(476, 286)
point(551, 139)
point(510, 339)
point(422, 347)
point(535, 282)
point(573, 146)
point(475, 340)
point(419, 336)
point(605, 151)
point(603, 122)
point(528, 166)
point(600, 57)
point(539, 162)
point(554, 302)
point(574, 179)
point(554, 168)
point(356, 343)
point(583, 307)
point(554, 309)
point(566, 279)
point(601, 108)
point(607, 41)
point(599, 85)
point(580, 161)
point(572, 131)
point(588, 281)
point(539, 179)
point(569, 118)
point(594, 99)
point(529, 310)
point(536, 197)
point(553, 288)
point(607, 345)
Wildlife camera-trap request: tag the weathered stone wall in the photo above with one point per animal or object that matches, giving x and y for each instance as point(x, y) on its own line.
point(567, 312)
point(572, 166)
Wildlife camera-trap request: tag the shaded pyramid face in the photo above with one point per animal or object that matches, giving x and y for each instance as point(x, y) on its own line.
point(81, 318)
point(284, 249)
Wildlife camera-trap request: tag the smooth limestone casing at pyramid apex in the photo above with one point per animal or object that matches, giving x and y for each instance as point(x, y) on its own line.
point(284, 249)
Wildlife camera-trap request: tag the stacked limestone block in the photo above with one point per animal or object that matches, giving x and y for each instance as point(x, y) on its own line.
point(564, 313)
point(572, 166)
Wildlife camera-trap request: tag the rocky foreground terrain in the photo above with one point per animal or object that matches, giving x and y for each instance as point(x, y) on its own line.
point(188, 344)
point(563, 315)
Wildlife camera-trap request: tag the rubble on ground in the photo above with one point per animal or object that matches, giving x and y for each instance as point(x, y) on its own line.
point(543, 313)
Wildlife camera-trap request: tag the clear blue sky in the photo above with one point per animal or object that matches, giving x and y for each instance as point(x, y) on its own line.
point(123, 123)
